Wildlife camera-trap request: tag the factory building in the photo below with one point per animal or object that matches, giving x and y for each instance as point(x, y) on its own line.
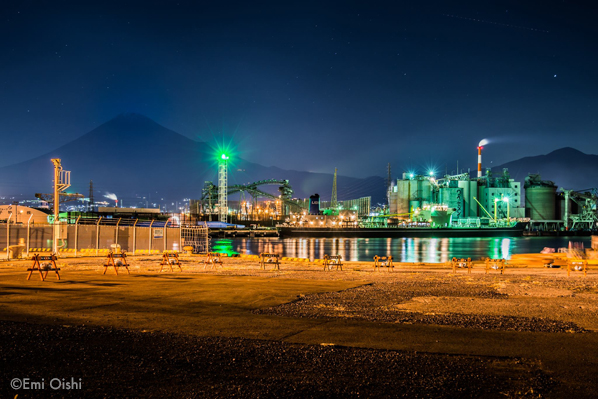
point(499, 196)
point(361, 205)
point(459, 193)
point(550, 210)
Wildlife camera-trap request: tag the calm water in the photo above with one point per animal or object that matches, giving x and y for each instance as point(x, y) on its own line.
point(402, 249)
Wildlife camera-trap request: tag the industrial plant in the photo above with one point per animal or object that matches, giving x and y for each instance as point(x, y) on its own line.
point(488, 204)
point(460, 198)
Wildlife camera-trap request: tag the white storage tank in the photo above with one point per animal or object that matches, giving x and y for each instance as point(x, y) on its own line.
point(402, 197)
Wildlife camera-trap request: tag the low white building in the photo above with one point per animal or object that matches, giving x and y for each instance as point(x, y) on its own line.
point(22, 215)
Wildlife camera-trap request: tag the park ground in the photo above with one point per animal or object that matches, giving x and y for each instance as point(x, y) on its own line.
point(417, 330)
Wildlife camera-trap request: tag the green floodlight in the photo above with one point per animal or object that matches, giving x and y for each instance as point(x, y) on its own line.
point(224, 156)
point(505, 199)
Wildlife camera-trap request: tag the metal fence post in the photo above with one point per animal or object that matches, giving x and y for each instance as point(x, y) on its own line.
point(135, 236)
point(98, 235)
point(77, 235)
point(116, 239)
point(165, 235)
point(8, 234)
point(28, 232)
point(150, 236)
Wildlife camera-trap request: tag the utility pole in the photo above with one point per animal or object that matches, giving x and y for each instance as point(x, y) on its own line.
point(91, 201)
point(334, 200)
point(388, 183)
point(62, 181)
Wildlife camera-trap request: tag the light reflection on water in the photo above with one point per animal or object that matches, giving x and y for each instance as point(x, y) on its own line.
point(402, 249)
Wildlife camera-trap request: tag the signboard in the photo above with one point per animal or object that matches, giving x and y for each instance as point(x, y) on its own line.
point(158, 233)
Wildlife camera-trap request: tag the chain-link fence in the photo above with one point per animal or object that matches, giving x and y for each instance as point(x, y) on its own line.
point(79, 237)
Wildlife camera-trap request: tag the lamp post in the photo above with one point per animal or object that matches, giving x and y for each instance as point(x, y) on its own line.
point(506, 199)
point(223, 187)
point(495, 202)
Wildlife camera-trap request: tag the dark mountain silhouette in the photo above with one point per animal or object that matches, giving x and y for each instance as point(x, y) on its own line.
point(133, 156)
point(567, 167)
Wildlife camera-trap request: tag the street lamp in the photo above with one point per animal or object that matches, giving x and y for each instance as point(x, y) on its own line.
point(506, 199)
point(495, 202)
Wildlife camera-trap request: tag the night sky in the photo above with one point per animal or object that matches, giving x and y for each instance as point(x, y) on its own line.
point(307, 85)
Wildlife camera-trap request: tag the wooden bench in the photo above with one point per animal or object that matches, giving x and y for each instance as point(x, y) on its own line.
point(170, 258)
point(270, 259)
point(462, 263)
point(383, 261)
point(212, 260)
point(116, 261)
point(44, 269)
point(331, 261)
point(495, 264)
point(577, 265)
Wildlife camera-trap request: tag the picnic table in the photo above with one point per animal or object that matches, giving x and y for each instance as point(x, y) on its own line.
point(331, 261)
point(270, 259)
point(577, 265)
point(495, 264)
point(212, 260)
point(116, 260)
point(44, 264)
point(462, 263)
point(383, 261)
point(170, 258)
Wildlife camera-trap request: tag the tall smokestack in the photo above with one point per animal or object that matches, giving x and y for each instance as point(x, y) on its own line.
point(480, 161)
point(480, 146)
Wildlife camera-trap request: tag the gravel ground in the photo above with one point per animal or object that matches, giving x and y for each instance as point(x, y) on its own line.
point(381, 302)
point(117, 363)
point(523, 299)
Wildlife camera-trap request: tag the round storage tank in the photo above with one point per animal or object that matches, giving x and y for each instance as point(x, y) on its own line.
point(540, 202)
point(426, 192)
point(464, 184)
point(402, 198)
point(414, 204)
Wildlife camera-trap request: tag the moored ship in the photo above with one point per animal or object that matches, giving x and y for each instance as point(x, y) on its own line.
point(512, 229)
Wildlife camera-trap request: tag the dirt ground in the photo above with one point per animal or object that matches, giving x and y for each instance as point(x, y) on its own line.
point(237, 330)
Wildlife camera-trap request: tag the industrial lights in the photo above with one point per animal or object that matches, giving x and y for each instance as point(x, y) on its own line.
point(224, 156)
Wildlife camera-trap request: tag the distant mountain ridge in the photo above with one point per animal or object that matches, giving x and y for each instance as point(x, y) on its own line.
point(133, 156)
point(568, 167)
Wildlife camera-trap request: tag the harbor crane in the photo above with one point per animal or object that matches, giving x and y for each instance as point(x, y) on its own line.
point(586, 200)
point(210, 192)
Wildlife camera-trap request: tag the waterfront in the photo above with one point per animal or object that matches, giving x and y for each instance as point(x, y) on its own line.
point(430, 250)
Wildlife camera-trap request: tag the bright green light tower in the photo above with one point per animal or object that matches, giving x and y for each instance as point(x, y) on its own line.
point(223, 187)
